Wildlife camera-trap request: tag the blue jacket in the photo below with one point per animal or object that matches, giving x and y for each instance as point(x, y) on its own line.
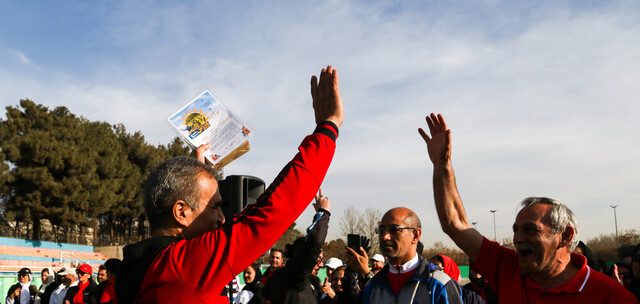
point(428, 285)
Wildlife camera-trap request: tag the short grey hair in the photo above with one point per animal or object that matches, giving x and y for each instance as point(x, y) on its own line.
point(173, 180)
point(559, 217)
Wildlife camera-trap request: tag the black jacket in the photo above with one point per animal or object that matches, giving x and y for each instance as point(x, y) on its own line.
point(291, 284)
point(138, 258)
point(89, 295)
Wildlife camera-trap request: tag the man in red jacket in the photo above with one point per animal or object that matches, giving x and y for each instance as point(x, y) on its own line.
point(192, 256)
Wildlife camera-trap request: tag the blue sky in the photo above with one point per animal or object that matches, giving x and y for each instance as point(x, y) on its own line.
point(541, 96)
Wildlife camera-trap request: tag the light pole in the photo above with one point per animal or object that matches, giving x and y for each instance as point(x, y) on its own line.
point(494, 223)
point(615, 217)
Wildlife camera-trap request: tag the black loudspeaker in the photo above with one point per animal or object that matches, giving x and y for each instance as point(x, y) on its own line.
point(239, 191)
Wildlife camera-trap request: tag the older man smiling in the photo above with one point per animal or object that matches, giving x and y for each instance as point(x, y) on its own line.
point(542, 269)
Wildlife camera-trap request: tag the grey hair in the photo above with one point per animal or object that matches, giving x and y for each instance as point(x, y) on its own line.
point(173, 180)
point(559, 217)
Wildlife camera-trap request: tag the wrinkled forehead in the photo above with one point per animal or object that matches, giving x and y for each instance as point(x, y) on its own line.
point(534, 213)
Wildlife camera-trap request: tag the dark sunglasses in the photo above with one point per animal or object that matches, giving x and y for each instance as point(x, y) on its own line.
point(393, 229)
point(78, 272)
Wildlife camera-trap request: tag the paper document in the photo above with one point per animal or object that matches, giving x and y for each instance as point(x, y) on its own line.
point(206, 120)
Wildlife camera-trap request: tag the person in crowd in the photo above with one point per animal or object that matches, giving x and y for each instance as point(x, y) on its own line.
point(102, 274)
point(291, 283)
point(319, 264)
point(336, 290)
point(190, 250)
point(34, 298)
point(377, 263)
point(582, 249)
point(276, 260)
point(635, 273)
point(68, 279)
point(478, 291)
point(45, 278)
point(542, 268)
point(332, 264)
point(105, 291)
point(313, 278)
point(448, 265)
point(13, 294)
point(85, 291)
point(24, 280)
point(407, 277)
point(252, 291)
point(621, 272)
point(232, 289)
point(56, 281)
point(601, 266)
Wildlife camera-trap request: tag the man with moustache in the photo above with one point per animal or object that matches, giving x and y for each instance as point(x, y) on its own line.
point(407, 277)
point(276, 261)
point(191, 256)
point(542, 268)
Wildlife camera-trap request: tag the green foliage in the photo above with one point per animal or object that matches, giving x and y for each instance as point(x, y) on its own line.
point(73, 172)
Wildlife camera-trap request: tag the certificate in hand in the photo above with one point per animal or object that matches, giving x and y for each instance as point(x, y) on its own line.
point(205, 120)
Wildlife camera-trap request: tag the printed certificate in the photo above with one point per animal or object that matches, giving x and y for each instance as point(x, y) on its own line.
point(206, 120)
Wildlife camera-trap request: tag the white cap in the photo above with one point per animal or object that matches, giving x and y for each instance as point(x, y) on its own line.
point(333, 263)
point(62, 271)
point(378, 257)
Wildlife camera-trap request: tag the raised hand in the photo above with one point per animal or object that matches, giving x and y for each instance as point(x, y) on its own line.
point(322, 202)
point(359, 262)
point(439, 144)
point(326, 288)
point(327, 104)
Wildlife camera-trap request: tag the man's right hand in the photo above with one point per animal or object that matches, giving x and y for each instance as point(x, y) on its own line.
point(326, 289)
point(358, 262)
point(327, 104)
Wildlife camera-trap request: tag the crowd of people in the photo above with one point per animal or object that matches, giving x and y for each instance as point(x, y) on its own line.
point(66, 286)
point(194, 252)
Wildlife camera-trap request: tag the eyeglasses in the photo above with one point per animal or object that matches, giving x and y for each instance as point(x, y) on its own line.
point(393, 229)
point(81, 273)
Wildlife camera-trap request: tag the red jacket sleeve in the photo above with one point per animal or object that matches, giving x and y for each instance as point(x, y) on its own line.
point(208, 262)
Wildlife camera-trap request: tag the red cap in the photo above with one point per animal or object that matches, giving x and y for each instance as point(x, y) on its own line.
point(86, 268)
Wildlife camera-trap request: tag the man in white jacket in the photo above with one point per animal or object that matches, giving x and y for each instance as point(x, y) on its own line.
point(68, 280)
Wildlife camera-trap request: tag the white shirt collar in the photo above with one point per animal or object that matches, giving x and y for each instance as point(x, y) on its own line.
point(406, 267)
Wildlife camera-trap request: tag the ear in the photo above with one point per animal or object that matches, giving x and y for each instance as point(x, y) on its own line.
point(417, 233)
point(180, 212)
point(567, 237)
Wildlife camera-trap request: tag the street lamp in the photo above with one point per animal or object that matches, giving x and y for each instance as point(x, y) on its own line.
point(474, 224)
point(494, 223)
point(615, 217)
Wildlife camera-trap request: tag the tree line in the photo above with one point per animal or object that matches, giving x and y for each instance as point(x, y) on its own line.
point(61, 173)
point(68, 173)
